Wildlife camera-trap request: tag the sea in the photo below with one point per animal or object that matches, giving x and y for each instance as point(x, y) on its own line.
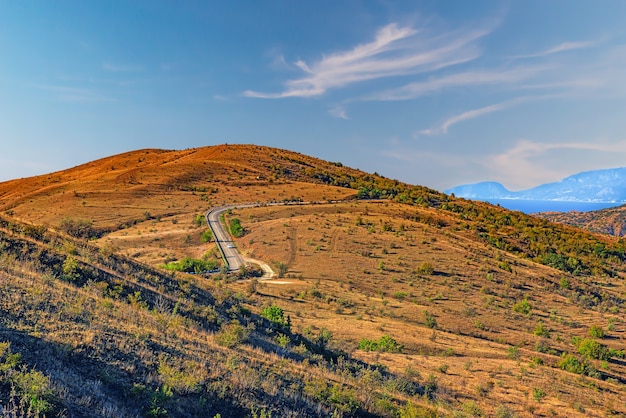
point(534, 206)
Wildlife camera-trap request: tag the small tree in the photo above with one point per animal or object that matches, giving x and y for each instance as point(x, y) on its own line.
point(276, 315)
point(207, 236)
point(282, 269)
point(324, 338)
point(70, 269)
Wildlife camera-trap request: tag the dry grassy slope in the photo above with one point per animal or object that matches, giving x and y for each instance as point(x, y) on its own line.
point(610, 221)
point(356, 270)
point(123, 188)
point(115, 338)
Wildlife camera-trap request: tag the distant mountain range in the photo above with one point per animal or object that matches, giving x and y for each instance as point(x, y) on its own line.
point(591, 186)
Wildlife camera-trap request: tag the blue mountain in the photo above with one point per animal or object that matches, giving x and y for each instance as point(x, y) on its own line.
point(590, 186)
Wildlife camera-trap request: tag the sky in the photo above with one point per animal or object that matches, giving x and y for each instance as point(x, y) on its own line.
point(437, 93)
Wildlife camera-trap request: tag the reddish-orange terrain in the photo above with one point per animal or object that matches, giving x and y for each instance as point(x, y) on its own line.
point(387, 299)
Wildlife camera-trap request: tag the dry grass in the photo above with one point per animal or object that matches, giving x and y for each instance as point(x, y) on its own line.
point(360, 270)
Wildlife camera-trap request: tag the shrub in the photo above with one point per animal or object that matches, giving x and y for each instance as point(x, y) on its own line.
point(70, 269)
point(192, 265)
point(236, 230)
point(31, 387)
point(282, 269)
point(276, 315)
point(577, 365)
point(513, 352)
point(400, 295)
point(541, 330)
point(596, 332)
point(502, 411)
point(199, 220)
point(184, 380)
point(426, 268)
point(431, 322)
point(522, 307)
point(79, 228)
point(538, 394)
point(231, 335)
point(504, 265)
point(384, 344)
point(206, 236)
point(593, 349)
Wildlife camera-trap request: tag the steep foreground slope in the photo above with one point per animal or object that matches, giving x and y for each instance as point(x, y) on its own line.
point(410, 304)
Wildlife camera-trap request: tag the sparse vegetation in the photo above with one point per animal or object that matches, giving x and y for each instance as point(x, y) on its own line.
point(192, 265)
point(477, 337)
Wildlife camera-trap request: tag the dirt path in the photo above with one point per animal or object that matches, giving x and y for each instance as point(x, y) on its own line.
point(268, 273)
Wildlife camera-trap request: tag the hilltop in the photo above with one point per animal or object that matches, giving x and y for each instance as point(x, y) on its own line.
point(392, 299)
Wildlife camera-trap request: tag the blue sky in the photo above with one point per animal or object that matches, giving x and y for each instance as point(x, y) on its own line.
point(437, 93)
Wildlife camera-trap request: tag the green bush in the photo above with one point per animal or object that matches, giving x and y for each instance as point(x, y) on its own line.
point(236, 230)
point(522, 307)
point(596, 332)
point(593, 349)
point(573, 364)
point(199, 220)
point(192, 265)
point(31, 387)
point(206, 236)
point(276, 315)
point(541, 330)
point(184, 380)
point(384, 344)
point(538, 394)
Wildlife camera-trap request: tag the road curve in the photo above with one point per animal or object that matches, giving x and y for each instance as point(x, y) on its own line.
point(233, 258)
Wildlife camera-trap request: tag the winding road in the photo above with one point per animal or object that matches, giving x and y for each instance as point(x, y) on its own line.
point(222, 238)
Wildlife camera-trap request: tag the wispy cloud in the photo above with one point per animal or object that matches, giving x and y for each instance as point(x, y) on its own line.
point(462, 79)
point(395, 51)
point(475, 113)
point(339, 112)
point(564, 47)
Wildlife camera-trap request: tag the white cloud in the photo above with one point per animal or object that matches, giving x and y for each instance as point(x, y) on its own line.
point(463, 79)
point(475, 113)
point(530, 163)
point(395, 51)
point(339, 112)
point(565, 46)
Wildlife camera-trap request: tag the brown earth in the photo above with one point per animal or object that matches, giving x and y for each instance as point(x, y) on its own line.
point(443, 277)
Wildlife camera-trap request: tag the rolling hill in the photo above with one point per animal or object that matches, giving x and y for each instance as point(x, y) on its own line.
point(392, 299)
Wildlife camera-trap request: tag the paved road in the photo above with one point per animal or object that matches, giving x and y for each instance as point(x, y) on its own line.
point(222, 237)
